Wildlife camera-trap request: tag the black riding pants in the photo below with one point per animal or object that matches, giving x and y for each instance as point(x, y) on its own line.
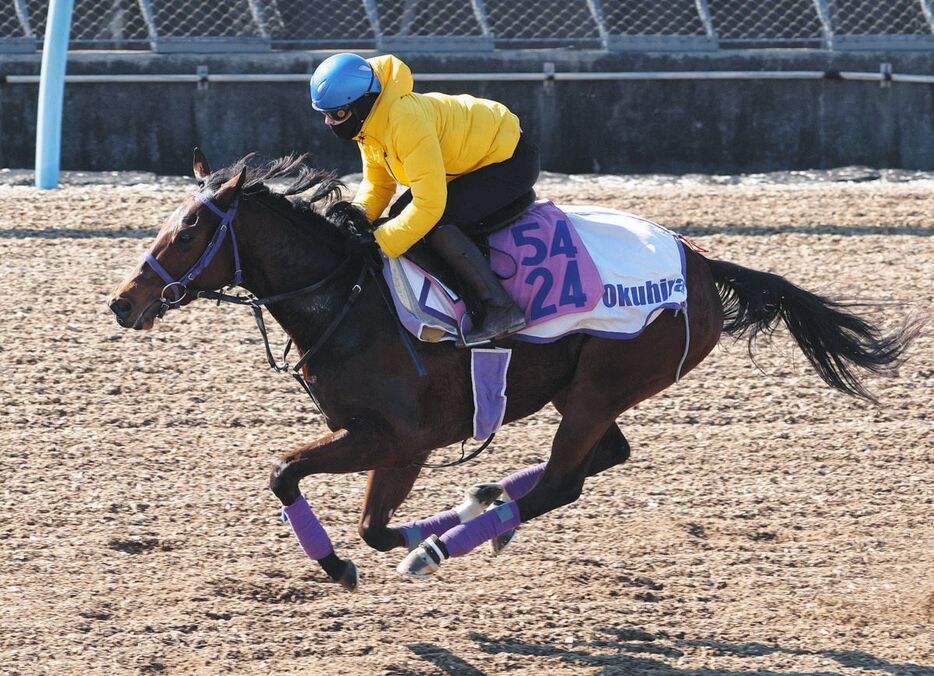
point(474, 196)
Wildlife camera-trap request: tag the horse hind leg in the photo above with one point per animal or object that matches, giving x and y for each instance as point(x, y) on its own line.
point(612, 449)
point(560, 483)
point(477, 500)
point(612, 376)
point(388, 488)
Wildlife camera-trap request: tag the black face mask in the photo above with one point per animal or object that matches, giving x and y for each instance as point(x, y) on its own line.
point(359, 109)
point(347, 129)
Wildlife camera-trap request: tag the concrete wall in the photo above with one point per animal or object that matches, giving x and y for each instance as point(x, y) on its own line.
point(659, 126)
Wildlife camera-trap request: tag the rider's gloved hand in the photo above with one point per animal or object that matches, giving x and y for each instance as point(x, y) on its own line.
point(348, 218)
point(352, 221)
point(362, 242)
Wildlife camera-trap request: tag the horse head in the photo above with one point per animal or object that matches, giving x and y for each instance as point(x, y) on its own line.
point(198, 249)
point(195, 250)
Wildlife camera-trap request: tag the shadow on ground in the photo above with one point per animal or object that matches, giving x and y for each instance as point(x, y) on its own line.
point(639, 652)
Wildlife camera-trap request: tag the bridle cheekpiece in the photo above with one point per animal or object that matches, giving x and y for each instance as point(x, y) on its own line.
point(179, 287)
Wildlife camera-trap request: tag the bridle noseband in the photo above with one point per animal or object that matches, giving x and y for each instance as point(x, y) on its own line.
point(179, 287)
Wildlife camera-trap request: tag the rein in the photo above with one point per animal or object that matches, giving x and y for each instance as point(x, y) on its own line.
point(256, 307)
point(465, 457)
point(179, 289)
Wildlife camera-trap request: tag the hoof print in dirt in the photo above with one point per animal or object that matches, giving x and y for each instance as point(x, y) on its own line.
point(648, 597)
point(139, 546)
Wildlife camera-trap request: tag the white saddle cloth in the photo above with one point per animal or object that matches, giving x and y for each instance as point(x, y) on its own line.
point(640, 265)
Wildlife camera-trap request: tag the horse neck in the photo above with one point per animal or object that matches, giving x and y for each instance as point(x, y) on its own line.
point(279, 254)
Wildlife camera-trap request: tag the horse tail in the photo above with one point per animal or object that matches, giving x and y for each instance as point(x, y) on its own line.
point(836, 341)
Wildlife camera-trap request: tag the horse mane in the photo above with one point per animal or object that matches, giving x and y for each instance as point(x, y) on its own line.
point(327, 187)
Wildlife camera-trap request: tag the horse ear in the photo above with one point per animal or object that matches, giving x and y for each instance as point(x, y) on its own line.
point(199, 165)
point(232, 187)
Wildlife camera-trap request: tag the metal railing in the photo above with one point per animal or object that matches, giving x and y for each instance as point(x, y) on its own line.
point(447, 25)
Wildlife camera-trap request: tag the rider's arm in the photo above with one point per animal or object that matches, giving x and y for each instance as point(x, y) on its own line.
point(376, 189)
point(417, 146)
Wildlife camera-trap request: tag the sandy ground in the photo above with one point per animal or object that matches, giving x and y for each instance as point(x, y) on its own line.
point(764, 525)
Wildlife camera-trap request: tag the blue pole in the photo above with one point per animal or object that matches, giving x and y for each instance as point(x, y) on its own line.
point(51, 93)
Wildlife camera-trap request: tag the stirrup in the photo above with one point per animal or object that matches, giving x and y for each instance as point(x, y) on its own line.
point(462, 339)
point(518, 323)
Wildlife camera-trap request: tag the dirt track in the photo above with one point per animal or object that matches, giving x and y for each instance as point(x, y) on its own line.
point(765, 524)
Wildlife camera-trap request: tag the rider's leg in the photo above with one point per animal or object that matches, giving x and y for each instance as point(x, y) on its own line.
point(471, 198)
point(474, 196)
point(501, 315)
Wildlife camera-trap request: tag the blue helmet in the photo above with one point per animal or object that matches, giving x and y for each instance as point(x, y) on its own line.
point(340, 80)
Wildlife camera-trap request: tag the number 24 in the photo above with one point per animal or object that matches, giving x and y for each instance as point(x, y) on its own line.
point(571, 288)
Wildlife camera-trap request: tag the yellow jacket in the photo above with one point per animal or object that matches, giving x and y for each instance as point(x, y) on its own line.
point(423, 141)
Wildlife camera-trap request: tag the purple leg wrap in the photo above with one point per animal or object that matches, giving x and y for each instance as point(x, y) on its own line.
point(414, 532)
point(520, 483)
point(465, 537)
point(310, 533)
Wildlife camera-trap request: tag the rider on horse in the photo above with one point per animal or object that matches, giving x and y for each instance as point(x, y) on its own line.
point(462, 158)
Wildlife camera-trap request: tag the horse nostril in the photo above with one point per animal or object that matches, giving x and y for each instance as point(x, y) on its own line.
point(121, 307)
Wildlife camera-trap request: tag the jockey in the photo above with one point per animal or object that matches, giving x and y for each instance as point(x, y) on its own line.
point(462, 158)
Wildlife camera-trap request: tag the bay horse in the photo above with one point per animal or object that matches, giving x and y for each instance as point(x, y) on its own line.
point(386, 417)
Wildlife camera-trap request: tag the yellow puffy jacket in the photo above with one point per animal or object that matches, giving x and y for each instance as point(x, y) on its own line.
point(423, 141)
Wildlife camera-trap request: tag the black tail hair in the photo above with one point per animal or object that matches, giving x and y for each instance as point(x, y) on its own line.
point(836, 341)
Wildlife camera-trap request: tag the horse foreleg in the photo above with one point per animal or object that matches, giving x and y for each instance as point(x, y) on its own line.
point(348, 450)
point(613, 449)
point(478, 498)
point(386, 489)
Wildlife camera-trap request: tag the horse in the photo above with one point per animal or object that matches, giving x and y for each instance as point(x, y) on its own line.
point(386, 416)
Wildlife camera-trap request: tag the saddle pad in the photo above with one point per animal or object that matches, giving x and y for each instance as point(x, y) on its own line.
point(573, 269)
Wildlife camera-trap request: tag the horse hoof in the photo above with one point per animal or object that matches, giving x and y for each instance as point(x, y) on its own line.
point(424, 560)
point(498, 544)
point(478, 498)
point(349, 577)
point(484, 494)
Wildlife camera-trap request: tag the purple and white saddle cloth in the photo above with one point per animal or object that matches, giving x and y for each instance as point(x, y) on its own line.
point(573, 269)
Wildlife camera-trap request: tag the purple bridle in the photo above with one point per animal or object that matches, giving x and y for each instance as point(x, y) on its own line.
point(179, 287)
point(179, 290)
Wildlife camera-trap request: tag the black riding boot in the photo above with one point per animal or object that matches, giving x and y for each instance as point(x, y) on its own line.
point(501, 315)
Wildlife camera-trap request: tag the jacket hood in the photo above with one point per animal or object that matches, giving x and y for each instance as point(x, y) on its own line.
point(396, 80)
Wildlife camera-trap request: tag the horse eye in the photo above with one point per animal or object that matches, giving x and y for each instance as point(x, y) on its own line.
point(185, 237)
